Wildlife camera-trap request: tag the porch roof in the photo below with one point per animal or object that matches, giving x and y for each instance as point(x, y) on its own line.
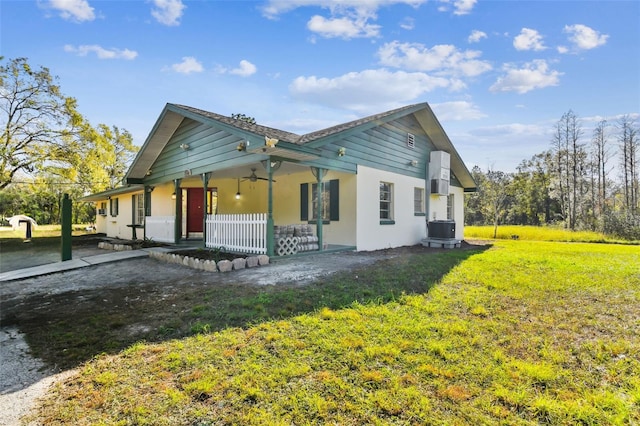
point(104, 195)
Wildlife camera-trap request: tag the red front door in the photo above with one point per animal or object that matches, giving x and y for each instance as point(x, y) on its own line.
point(195, 201)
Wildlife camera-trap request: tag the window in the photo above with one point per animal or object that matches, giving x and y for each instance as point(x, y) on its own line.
point(102, 210)
point(330, 201)
point(326, 202)
point(386, 202)
point(212, 201)
point(418, 201)
point(113, 206)
point(450, 207)
point(138, 209)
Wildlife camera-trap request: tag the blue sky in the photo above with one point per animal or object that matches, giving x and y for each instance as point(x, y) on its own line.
point(498, 74)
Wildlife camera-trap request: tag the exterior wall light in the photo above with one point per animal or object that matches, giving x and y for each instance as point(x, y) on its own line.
point(342, 151)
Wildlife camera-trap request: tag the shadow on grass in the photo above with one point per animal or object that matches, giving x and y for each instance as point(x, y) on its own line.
point(65, 330)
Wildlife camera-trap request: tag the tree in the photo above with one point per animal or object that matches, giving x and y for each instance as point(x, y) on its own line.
point(570, 166)
point(34, 115)
point(243, 117)
point(629, 146)
point(601, 156)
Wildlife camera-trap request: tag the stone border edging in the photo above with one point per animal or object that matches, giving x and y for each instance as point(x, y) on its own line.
point(210, 265)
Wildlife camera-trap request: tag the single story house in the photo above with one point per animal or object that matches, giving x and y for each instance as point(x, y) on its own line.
point(250, 188)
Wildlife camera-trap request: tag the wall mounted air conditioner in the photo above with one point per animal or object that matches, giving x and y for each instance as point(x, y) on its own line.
point(102, 212)
point(440, 186)
point(439, 172)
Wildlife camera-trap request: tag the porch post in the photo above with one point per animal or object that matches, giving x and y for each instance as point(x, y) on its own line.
point(147, 208)
point(177, 226)
point(270, 242)
point(319, 206)
point(205, 207)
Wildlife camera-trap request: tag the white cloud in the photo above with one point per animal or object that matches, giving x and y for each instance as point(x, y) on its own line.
point(245, 69)
point(366, 91)
point(585, 38)
point(476, 36)
point(101, 52)
point(562, 49)
point(528, 39)
point(408, 23)
point(73, 10)
point(273, 8)
point(463, 7)
point(443, 58)
point(342, 27)
point(533, 75)
point(457, 111)
point(168, 12)
point(188, 65)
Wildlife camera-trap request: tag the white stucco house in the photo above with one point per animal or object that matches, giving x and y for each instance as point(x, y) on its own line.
point(247, 187)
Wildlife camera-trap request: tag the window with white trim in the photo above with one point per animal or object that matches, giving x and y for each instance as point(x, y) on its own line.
point(450, 207)
point(138, 209)
point(386, 201)
point(418, 201)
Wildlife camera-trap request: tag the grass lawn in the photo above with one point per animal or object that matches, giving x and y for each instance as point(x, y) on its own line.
point(539, 233)
point(524, 333)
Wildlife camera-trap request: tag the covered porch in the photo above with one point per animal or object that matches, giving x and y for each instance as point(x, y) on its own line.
point(269, 207)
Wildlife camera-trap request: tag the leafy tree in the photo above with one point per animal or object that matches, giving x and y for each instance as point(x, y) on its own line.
point(34, 115)
point(496, 191)
point(243, 117)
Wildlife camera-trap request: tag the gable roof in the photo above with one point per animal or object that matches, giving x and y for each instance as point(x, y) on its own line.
point(173, 115)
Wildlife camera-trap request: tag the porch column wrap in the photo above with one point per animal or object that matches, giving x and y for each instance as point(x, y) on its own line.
point(319, 197)
point(147, 208)
point(177, 227)
point(270, 241)
point(205, 207)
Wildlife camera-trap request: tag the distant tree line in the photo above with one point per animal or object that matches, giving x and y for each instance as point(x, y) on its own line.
point(48, 148)
point(580, 183)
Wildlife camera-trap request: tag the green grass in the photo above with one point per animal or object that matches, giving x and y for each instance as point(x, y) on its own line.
point(537, 233)
point(525, 333)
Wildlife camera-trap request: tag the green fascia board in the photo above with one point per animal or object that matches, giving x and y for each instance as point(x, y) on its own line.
point(99, 196)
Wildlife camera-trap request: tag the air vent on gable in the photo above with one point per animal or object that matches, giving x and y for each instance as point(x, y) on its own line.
point(411, 141)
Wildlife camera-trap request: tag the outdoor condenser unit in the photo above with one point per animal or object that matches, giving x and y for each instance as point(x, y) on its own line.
point(439, 172)
point(442, 229)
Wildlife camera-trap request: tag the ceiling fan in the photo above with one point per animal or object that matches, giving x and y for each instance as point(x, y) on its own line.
point(253, 177)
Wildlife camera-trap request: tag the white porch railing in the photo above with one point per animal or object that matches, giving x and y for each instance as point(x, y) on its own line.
point(160, 228)
point(246, 233)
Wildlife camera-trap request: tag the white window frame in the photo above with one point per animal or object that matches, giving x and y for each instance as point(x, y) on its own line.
point(138, 209)
point(418, 201)
point(386, 201)
point(451, 207)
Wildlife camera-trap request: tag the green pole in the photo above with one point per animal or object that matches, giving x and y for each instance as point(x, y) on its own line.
point(65, 248)
point(205, 207)
point(177, 229)
point(320, 208)
point(270, 241)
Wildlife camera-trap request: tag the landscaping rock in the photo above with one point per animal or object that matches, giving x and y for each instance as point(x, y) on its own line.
point(239, 263)
point(225, 266)
point(252, 262)
point(263, 259)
